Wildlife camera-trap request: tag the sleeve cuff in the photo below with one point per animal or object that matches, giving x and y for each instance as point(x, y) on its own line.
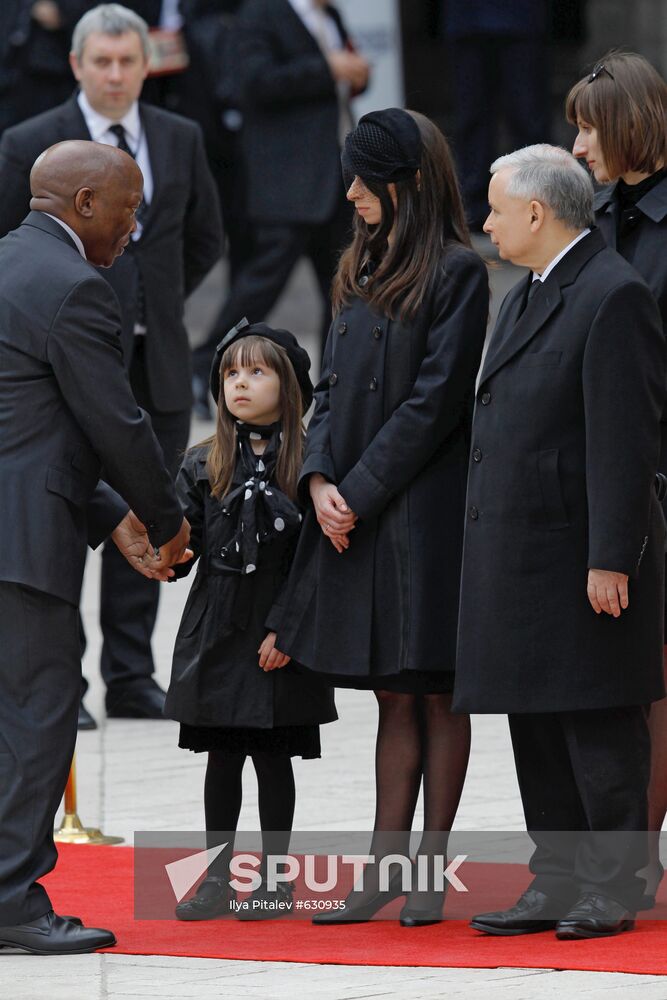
point(363, 492)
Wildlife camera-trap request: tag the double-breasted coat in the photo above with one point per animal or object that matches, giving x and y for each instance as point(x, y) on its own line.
point(391, 429)
point(645, 247)
point(565, 447)
point(216, 678)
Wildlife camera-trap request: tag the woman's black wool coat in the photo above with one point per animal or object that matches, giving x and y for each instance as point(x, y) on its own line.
point(391, 429)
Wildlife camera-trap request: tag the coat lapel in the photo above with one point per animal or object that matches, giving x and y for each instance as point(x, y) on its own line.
point(540, 309)
point(73, 124)
point(157, 154)
point(605, 206)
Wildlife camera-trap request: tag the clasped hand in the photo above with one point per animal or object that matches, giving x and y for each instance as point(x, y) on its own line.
point(607, 591)
point(131, 539)
point(333, 515)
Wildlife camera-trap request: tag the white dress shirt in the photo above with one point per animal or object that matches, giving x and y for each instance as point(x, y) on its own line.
point(70, 232)
point(321, 26)
point(549, 268)
point(98, 126)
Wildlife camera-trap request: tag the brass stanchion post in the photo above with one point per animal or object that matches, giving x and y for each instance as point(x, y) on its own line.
point(71, 829)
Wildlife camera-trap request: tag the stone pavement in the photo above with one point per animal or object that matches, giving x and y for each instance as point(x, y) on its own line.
point(133, 777)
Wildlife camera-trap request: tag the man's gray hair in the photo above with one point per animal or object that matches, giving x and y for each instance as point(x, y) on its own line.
point(108, 19)
point(551, 175)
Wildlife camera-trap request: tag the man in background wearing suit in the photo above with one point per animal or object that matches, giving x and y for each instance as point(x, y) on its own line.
point(34, 44)
point(177, 240)
point(298, 73)
point(563, 563)
point(66, 411)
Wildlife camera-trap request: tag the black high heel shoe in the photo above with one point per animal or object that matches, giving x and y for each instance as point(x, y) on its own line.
point(647, 901)
point(415, 916)
point(359, 913)
point(213, 899)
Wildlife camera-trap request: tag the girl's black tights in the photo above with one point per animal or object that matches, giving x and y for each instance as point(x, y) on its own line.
point(222, 802)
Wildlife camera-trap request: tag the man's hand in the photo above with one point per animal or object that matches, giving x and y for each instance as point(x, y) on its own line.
point(608, 591)
point(47, 14)
point(271, 658)
point(131, 539)
point(333, 515)
point(349, 67)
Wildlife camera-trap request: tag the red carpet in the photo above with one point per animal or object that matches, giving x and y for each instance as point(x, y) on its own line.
point(96, 883)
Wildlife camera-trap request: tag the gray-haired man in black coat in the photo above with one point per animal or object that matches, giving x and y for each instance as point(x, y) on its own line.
point(561, 598)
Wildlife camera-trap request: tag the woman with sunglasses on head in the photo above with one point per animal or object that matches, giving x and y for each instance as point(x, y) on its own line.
point(620, 111)
point(374, 604)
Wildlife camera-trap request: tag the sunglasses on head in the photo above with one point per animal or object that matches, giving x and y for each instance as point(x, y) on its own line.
point(597, 70)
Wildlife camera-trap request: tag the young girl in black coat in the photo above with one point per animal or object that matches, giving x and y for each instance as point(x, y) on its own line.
point(234, 693)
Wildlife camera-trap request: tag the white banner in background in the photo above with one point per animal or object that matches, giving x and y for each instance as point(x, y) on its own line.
point(375, 26)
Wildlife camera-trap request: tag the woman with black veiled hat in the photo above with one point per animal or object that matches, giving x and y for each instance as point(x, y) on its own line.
point(372, 601)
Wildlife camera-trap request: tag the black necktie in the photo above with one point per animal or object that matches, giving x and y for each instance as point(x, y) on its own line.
point(532, 292)
point(140, 319)
point(119, 131)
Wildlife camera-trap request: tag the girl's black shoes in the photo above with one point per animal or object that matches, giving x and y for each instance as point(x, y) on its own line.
point(268, 904)
point(213, 899)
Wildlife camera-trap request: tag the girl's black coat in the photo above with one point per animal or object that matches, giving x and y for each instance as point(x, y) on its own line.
point(216, 679)
point(391, 429)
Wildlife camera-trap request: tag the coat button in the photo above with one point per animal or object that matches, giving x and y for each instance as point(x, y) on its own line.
point(485, 398)
point(224, 551)
point(333, 378)
point(477, 455)
point(373, 384)
point(474, 513)
point(377, 332)
point(342, 329)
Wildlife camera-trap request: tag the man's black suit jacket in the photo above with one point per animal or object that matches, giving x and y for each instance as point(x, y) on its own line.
point(291, 113)
point(181, 238)
point(66, 410)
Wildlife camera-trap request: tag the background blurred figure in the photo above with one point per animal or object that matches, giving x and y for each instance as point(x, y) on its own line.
point(177, 241)
point(34, 45)
point(299, 71)
point(497, 61)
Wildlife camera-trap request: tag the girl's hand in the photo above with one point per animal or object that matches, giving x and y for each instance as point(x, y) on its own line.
point(333, 515)
point(271, 658)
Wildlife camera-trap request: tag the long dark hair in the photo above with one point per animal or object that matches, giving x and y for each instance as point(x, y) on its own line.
point(223, 444)
point(428, 217)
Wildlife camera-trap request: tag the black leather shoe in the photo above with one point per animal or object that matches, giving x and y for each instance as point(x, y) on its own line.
point(54, 935)
point(530, 914)
point(268, 904)
point(594, 916)
point(201, 408)
point(86, 721)
point(213, 899)
point(136, 703)
point(359, 911)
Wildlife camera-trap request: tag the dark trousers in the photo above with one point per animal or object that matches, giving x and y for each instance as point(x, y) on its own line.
point(581, 774)
point(128, 601)
point(277, 248)
point(493, 80)
point(40, 676)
